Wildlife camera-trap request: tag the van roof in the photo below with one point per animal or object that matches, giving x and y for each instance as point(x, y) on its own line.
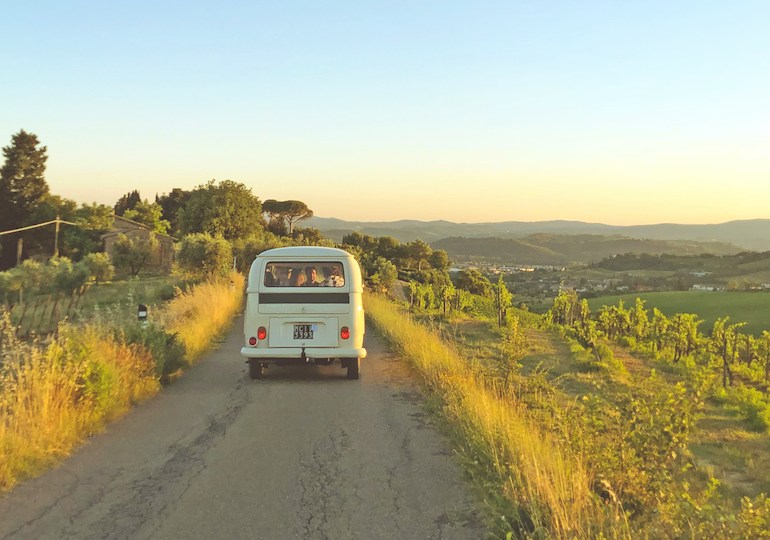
point(305, 251)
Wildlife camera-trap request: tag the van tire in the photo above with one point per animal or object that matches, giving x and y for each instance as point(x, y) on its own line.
point(354, 368)
point(256, 369)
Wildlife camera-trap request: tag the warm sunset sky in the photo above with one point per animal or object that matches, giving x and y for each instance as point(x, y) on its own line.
point(610, 111)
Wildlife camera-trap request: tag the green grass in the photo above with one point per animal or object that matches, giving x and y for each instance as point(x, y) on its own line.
point(119, 298)
point(752, 308)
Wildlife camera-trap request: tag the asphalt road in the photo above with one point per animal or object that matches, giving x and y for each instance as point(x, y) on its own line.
point(303, 453)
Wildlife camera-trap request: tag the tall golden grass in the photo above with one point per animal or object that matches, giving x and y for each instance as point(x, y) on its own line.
point(200, 314)
point(54, 395)
point(547, 487)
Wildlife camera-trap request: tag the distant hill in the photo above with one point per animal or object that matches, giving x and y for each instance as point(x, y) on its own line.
point(561, 249)
point(751, 234)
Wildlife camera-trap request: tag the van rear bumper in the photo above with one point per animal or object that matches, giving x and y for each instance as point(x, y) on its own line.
point(296, 352)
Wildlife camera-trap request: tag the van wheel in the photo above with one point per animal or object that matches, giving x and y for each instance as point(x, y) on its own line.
point(256, 369)
point(354, 368)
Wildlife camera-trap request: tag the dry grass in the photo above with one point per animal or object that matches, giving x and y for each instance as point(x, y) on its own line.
point(53, 395)
point(548, 488)
point(202, 313)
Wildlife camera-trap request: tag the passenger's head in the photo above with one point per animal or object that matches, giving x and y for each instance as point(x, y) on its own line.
point(311, 273)
point(298, 279)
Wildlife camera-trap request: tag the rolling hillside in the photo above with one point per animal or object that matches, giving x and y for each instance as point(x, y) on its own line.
point(751, 234)
point(562, 249)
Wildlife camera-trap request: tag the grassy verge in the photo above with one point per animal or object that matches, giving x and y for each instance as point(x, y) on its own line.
point(203, 312)
point(532, 480)
point(55, 394)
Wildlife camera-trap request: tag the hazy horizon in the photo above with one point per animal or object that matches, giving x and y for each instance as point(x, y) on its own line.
point(535, 221)
point(613, 113)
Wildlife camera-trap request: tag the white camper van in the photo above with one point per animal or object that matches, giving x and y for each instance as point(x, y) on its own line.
point(304, 305)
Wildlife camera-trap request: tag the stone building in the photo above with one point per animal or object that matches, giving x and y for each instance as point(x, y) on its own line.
point(160, 259)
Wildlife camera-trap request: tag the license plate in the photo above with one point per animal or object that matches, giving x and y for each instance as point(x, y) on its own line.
point(303, 331)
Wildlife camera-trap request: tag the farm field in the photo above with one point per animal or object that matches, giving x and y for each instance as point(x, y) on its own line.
point(750, 307)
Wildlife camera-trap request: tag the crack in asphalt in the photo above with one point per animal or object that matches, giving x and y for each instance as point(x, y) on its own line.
point(365, 474)
point(320, 485)
point(143, 503)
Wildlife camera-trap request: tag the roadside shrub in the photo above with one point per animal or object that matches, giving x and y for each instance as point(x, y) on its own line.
point(201, 255)
point(167, 291)
point(165, 347)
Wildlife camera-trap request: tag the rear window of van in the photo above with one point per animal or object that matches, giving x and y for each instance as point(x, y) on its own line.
point(304, 274)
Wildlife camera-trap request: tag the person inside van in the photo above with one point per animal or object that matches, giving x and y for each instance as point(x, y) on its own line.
point(333, 277)
point(283, 276)
point(312, 277)
point(337, 279)
point(327, 272)
point(298, 278)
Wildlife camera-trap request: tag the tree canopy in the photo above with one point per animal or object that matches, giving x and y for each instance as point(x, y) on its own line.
point(22, 185)
point(289, 211)
point(171, 203)
point(473, 281)
point(227, 209)
point(127, 202)
point(150, 214)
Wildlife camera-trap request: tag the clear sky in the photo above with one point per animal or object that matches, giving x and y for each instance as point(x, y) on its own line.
point(610, 111)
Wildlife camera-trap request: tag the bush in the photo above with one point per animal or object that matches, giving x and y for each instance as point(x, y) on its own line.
point(480, 306)
point(201, 255)
point(131, 254)
point(165, 347)
point(99, 266)
point(752, 405)
point(247, 249)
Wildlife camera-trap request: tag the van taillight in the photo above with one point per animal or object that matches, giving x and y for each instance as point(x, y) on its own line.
point(262, 332)
point(252, 341)
point(345, 332)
